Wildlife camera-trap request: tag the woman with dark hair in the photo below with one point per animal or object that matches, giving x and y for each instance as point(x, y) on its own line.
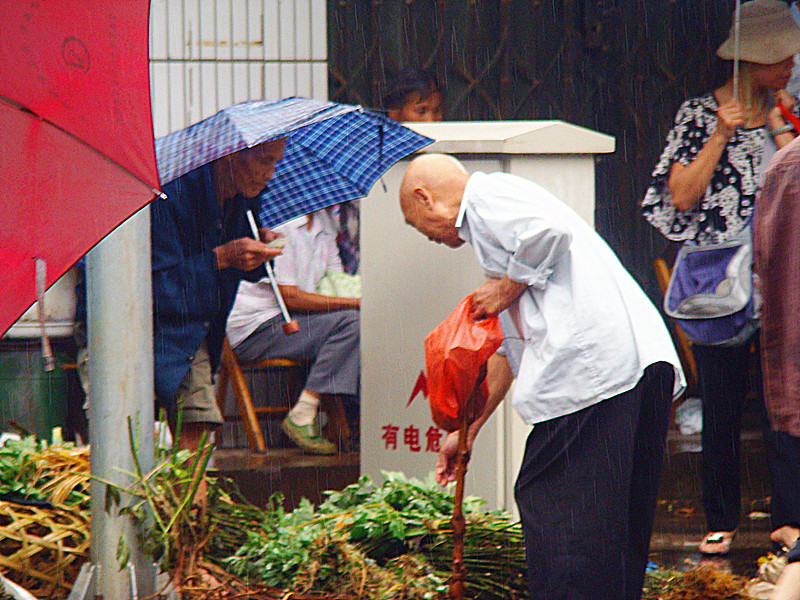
point(414, 96)
point(703, 191)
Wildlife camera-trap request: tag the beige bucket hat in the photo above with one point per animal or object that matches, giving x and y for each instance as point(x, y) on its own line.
point(767, 33)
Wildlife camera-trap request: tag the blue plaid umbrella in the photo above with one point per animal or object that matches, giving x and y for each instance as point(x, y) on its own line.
point(334, 152)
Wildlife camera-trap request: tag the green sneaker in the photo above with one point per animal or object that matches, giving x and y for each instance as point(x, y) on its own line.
point(308, 437)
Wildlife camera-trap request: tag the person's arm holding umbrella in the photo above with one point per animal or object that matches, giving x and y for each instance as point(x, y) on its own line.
point(750, 99)
point(688, 182)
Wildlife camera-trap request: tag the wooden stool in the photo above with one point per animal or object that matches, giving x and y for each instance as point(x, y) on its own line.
point(232, 370)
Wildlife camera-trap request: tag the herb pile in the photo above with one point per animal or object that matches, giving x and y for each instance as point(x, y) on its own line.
point(699, 583)
point(380, 542)
point(32, 471)
point(385, 542)
point(391, 541)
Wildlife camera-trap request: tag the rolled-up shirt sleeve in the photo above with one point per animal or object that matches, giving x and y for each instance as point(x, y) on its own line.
point(537, 250)
point(532, 243)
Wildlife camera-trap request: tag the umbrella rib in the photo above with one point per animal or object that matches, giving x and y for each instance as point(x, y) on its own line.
point(27, 110)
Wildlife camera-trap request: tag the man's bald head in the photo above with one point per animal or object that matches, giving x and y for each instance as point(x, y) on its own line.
point(430, 196)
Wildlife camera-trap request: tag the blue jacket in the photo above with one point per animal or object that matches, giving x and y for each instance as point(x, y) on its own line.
point(191, 297)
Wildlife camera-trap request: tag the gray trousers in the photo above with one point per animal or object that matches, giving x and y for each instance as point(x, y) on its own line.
point(331, 341)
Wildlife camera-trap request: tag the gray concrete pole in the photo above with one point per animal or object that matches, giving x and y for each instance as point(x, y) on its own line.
point(120, 328)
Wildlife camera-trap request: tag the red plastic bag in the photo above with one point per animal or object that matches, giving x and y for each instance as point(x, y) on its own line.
point(455, 351)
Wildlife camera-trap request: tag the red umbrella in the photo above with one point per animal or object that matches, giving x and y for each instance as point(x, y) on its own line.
point(77, 155)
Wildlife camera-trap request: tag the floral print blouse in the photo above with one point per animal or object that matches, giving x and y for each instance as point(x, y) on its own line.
point(729, 200)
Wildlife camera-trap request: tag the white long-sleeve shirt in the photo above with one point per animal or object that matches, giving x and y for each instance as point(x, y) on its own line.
point(307, 256)
point(583, 331)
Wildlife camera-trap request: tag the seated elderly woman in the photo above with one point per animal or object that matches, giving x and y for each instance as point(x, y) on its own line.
point(329, 333)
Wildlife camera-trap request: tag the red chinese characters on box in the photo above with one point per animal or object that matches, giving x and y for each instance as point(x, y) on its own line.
point(411, 439)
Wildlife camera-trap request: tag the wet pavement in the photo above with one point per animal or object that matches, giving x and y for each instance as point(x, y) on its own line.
point(679, 519)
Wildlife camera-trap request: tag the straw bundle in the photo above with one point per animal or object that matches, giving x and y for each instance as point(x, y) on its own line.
point(44, 515)
point(43, 549)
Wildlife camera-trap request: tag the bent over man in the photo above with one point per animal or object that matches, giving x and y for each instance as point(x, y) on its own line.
point(595, 373)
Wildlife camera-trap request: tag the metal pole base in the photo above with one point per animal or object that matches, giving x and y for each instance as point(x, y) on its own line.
point(85, 584)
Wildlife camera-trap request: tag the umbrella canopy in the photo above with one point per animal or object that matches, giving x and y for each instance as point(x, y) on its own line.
point(77, 152)
point(334, 152)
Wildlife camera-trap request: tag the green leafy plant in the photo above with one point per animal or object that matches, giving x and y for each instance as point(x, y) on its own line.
point(387, 541)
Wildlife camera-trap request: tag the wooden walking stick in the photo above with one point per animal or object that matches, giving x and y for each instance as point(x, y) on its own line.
point(467, 414)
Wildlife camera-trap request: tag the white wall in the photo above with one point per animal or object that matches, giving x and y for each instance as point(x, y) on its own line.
point(208, 54)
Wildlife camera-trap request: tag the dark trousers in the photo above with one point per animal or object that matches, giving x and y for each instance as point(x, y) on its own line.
point(724, 381)
point(586, 493)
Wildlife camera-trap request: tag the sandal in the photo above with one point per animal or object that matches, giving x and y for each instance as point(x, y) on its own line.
point(717, 543)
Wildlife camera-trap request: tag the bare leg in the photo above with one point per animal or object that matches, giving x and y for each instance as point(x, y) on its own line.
point(338, 428)
point(192, 433)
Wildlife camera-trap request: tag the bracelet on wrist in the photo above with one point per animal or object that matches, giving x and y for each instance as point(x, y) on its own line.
point(782, 129)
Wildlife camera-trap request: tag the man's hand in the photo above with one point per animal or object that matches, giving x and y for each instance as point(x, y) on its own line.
point(244, 254)
point(447, 460)
point(494, 296)
point(498, 378)
point(267, 235)
point(445, 470)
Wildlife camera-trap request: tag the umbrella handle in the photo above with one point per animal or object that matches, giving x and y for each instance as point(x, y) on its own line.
point(737, 18)
point(290, 325)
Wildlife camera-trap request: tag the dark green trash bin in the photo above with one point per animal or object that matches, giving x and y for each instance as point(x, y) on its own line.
point(29, 397)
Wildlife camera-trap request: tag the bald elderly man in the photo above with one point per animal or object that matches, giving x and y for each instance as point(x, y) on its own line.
point(595, 373)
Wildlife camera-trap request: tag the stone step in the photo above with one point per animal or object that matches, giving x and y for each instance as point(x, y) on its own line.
point(288, 471)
